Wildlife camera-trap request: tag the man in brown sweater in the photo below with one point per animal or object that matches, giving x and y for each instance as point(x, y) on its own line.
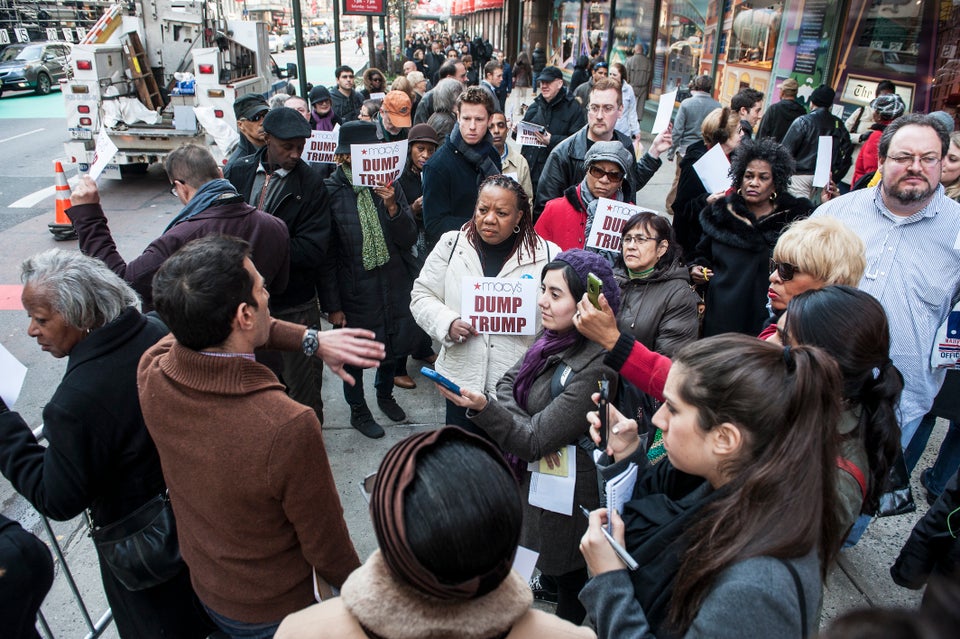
point(257, 509)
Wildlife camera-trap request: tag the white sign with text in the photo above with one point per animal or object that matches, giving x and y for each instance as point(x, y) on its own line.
point(320, 146)
point(505, 306)
point(608, 223)
point(374, 164)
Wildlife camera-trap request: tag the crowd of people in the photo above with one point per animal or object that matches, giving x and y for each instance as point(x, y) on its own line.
point(762, 355)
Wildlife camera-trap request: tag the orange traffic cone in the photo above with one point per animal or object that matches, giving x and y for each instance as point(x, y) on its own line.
point(62, 229)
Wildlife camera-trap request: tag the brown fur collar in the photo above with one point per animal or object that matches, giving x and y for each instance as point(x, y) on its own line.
point(393, 609)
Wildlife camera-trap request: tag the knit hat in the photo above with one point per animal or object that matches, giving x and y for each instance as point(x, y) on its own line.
point(945, 119)
point(584, 262)
point(285, 123)
point(423, 132)
point(823, 96)
point(355, 132)
point(888, 107)
point(789, 88)
point(319, 93)
point(612, 151)
point(250, 104)
point(399, 106)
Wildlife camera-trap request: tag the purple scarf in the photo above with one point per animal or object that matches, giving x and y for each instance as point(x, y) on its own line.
point(549, 343)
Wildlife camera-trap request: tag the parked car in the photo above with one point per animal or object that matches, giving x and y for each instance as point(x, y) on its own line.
point(33, 65)
point(311, 37)
point(274, 43)
point(289, 42)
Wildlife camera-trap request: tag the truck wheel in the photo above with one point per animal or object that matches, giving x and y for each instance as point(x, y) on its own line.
point(43, 84)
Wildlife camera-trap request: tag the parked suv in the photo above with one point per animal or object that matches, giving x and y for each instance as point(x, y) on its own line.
point(33, 65)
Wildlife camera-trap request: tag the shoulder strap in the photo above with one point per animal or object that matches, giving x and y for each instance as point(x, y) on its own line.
point(800, 596)
point(453, 248)
point(561, 377)
point(848, 466)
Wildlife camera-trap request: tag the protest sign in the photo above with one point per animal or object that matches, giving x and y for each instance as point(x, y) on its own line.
point(320, 146)
point(105, 150)
point(608, 223)
point(374, 164)
point(506, 306)
point(527, 134)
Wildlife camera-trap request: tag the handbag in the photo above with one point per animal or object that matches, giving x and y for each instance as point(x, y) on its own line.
point(141, 549)
point(897, 498)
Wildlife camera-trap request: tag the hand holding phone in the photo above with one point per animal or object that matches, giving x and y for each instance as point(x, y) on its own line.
point(604, 384)
point(594, 286)
point(429, 373)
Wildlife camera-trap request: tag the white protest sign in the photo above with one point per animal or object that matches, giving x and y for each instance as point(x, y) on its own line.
point(12, 374)
point(373, 164)
point(664, 111)
point(506, 306)
point(713, 169)
point(378, 96)
point(105, 151)
point(821, 175)
point(320, 146)
point(527, 134)
point(608, 223)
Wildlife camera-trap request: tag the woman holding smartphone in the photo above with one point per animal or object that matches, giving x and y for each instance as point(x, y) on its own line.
point(538, 409)
point(735, 533)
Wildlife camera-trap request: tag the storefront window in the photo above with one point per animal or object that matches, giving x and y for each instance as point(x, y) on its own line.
point(595, 25)
point(753, 38)
point(889, 41)
point(564, 34)
point(679, 44)
point(632, 25)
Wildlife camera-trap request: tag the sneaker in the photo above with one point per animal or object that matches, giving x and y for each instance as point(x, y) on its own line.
point(391, 408)
point(925, 482)
point(362, 420)
point(540, 593)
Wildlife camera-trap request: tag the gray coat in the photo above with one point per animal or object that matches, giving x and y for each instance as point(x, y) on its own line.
point(548, 424)
point(689, 118)
point(756, 597)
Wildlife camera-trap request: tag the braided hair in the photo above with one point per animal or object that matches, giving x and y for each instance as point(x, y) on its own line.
point(526, 237)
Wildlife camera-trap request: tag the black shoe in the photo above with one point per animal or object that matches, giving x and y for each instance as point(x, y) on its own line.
point(540, 593)
point(391, 408)
point(362, 420)
point(925, 482)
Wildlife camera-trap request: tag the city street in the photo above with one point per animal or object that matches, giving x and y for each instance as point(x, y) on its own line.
point(32, 130)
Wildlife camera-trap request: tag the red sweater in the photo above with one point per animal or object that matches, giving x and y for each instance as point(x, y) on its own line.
point(250, 483)
point(564, 223)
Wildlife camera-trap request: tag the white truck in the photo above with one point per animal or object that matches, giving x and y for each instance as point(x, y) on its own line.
point(122, 82)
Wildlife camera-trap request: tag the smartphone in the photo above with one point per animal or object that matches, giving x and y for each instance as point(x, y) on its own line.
point(440, 379)
point(594, 286)
point(604, 384)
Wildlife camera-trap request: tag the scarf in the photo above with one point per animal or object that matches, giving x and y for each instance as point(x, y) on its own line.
point(374, 247)
point(478, 155)
point(549, 343)
point(322, 123)
point(218, 191)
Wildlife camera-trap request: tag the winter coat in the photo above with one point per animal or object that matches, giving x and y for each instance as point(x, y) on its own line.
point(538, 59)
point(545, 425)
point(659, 311)
point(517, 167)
point(302, 203)
point(933, 546)
point(801, 140)
point(564, 168)
point(479, 362)
point(347, 107)
point(561, 116)
point(101, 457)
point(378, 299)
point(868, 160)
point(778, 119)
point(691, 199)
point(373, 599)
point(738, 247)
point(564, 219)
point(688, 121)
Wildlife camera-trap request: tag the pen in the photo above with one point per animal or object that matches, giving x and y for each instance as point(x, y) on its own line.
point(624, 556)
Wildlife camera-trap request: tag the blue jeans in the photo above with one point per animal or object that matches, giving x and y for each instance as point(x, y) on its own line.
point(241, 629)
point(948, 461)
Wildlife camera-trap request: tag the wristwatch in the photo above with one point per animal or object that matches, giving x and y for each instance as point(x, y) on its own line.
point(310, 343)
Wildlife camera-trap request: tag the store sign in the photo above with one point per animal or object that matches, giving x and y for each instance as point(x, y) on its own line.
point(862, 91)
point(809, 40)
point(364, 8)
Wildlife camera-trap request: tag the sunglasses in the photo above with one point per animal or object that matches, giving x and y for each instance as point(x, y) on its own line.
point(784, 270)
point(257, 117)
point(597, 172)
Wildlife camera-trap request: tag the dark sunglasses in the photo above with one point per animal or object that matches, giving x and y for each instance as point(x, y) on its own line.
point(257, 117)
point(597, 172)
point(784, 270)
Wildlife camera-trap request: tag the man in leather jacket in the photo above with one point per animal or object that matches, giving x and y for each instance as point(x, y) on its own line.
point(802, 141)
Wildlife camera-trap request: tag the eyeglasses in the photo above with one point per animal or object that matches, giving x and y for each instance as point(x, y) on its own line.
point(257, 117)
point(785, 270)
point(607, 109)
point(636, 239)
point(597, 172)
point(908, 160)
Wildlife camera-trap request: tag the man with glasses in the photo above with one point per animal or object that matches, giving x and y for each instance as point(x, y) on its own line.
point(249, 110)
point(564, 166)
point(911, 230)
point(346, 101)
point(567, 220)
point(560, 115)
point(803, 138)
point(211, 206)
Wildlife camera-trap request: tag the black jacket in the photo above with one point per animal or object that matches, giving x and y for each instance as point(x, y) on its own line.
point(303, 205)
point(347, 108)
point(931, 548)
point(778, 119)
point(691, 199)
point(378, 299)
point(802, 141)
point(562, 117)
point(738, 247)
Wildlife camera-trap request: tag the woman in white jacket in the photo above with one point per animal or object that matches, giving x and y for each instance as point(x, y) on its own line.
point(498, 242)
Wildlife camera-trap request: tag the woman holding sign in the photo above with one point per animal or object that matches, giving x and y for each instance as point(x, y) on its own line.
point(739, 233)
point(365, 282)
point(536, 412)
point(499, 242)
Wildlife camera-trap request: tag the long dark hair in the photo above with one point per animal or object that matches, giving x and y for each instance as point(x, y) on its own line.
point(526, 237)
point(784, 402)
point(662, 230)
point(852, 326)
